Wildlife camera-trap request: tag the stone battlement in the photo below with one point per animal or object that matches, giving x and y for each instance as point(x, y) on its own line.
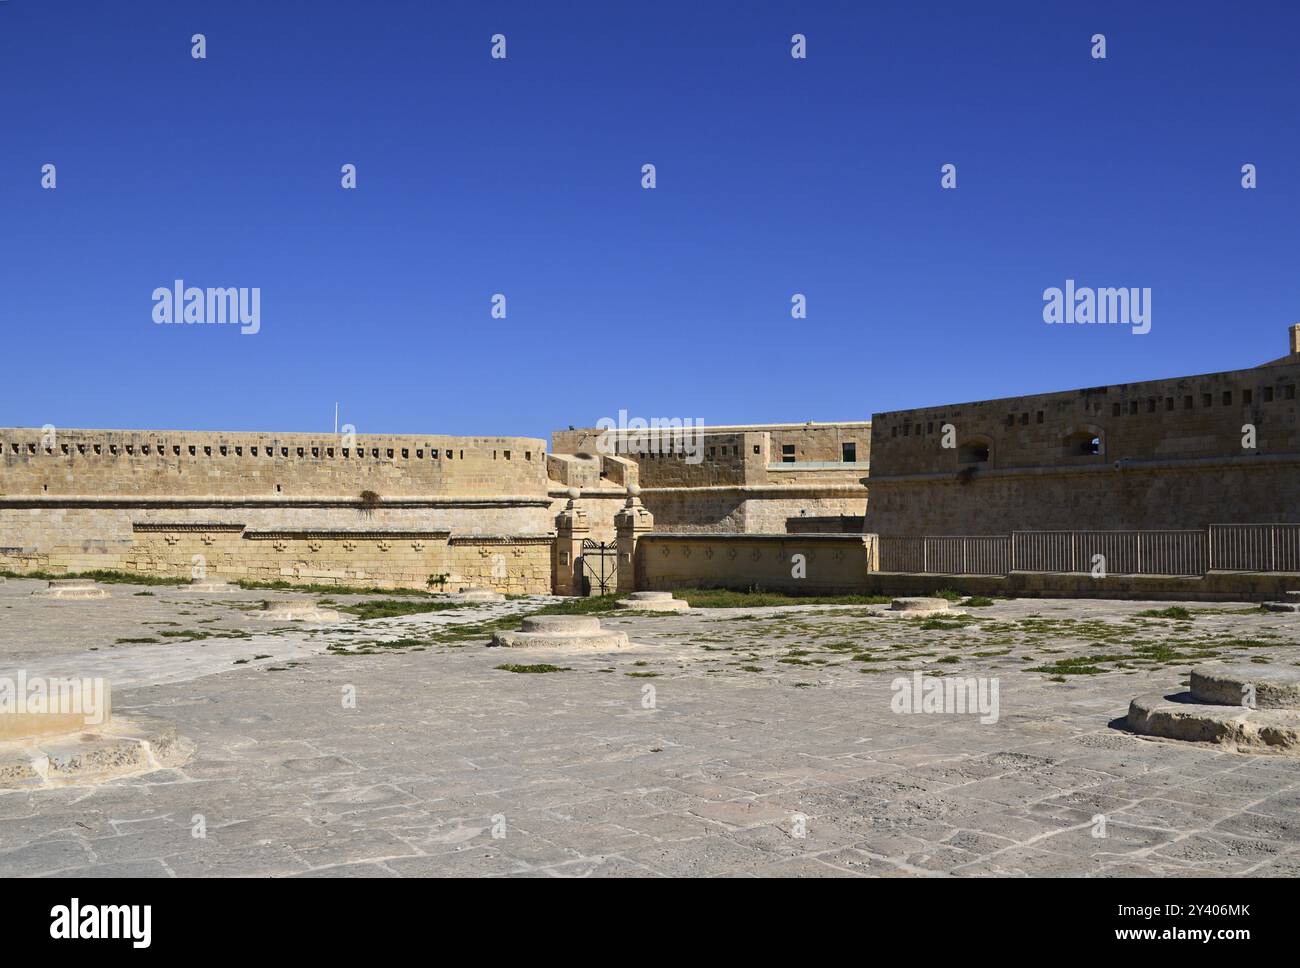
point(140, 463)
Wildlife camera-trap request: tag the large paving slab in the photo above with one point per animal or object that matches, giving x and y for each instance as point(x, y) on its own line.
point(742, 742)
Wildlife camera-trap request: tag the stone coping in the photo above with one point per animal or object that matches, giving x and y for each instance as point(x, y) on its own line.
point(753, 536)
point(818, 465)
point(278, 500)
point(308, 533)
point(468, 539)
point(300, 533)
point(154, 526)
point(827, 489)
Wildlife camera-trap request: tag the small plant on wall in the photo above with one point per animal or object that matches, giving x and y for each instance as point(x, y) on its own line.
point(437, 581)
point(369, 501)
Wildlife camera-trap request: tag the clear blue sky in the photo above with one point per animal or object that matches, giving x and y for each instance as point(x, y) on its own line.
point(522, 176)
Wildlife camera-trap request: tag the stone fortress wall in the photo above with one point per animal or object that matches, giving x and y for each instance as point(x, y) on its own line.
point(1159, 454)
point(388, 510)
point(757, 478)
point(250, 465)
point(322, 508)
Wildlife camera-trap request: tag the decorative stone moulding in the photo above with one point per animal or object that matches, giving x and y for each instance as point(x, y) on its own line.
point(297, 612)
point(652, 602)
point(73, 589)
point(562, 632)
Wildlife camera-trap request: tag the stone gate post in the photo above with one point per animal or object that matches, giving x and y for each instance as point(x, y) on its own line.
point(630, 524)
point(571, 529)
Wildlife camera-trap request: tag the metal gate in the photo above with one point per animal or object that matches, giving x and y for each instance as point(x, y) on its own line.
point(599, 567)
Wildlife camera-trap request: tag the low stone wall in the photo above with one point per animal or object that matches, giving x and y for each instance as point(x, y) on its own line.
point(832, 563)
point(1216, 586)
point(749, 510)
point(378, 557)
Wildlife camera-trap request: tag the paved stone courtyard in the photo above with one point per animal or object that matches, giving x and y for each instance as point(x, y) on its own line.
point(756, 741)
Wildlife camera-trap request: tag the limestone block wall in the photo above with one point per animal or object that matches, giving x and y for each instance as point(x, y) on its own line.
point(726, 459)
point(1157, 495)
point(513, 564)
point(364, 509)
point(775, 514)
point(811, 441)
point(820, 442)
point(703, 510)
point(1181, 418)
point(1152, 455)
point(740, 485)
point(384, 558)
point(68, 462)
point(751, 510)
point(574, 470)
point(835, 564)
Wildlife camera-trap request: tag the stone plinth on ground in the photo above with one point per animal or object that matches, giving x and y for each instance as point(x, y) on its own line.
point(561, 632)
point(653, 602)
point(1273, 687)
point(73, 589)
point(478, 595)
point(297, 612)
point(1249, 708)
point(918, 608)
point(120, 748)
point(209, 587)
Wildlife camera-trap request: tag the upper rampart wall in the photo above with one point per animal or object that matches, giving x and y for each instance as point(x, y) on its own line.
point(1181, 418)
point(159, 463)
